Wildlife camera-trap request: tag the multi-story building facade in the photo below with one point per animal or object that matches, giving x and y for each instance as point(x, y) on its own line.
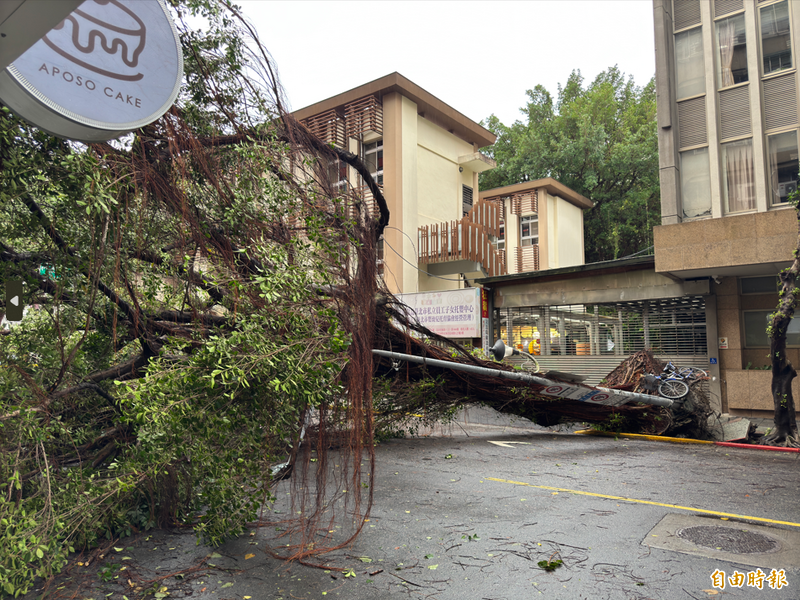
point(728, 87)
point(443, 234)
point(426, 156)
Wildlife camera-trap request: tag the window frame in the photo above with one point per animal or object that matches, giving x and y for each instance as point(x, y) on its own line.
point(718, 73)
point(723, 154)
point(766, 344)
point(528, 219)
point(706, 214)
point(773, 290)
point(698, 29)
point(770, 184)
point(762, 54)
point(374, 147)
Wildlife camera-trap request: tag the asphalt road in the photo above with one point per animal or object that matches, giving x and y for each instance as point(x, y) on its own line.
point(629, 519)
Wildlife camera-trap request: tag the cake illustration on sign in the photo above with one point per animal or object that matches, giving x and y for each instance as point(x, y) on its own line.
point(98, 30)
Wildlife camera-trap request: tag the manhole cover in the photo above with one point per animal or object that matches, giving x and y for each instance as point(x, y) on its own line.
point(727, 539)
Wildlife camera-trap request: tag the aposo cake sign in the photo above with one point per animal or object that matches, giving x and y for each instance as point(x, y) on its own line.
point(110, 67)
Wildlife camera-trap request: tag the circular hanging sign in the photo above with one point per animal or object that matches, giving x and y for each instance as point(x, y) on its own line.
point(110, 67)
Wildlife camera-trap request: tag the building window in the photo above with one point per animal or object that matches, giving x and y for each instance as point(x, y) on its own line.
point(783, 165)
point(499, 243)
point(466, 199)
point(689, 64)
point(739, 177)
point(337, 175)
point(759, 285)
point(529, 230)
point(731, 52)
point(379, 254)
point(695, 183)
point(776, 42)
point(373, 158)
point(755, 329)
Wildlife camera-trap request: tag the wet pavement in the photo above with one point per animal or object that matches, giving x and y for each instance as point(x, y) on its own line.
point(624, 517)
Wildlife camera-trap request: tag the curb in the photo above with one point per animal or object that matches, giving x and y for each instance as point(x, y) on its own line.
point(661, 438)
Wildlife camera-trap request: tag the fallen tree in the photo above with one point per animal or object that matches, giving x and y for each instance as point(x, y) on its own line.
point(193, 291)
point(437, 392)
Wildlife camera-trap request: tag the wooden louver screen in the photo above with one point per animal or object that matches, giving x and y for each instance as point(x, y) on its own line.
point(525, 203)
point(329, 127)
point(692, 122)
point(780, 102)
point(723, 7)
point(687, 13)
point(734, 112)
point(364, 115)
point(527, 258)
point(363, 194)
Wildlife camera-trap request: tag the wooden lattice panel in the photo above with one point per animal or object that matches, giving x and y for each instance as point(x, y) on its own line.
point(525, 203)
point(364, 194)
point(364, 115)
point(527, 258)
point(329, 127)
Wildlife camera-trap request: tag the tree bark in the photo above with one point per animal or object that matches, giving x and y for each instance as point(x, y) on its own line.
point(785, 417)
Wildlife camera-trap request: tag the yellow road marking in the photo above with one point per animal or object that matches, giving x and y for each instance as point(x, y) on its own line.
point(640, 436)
point(635, 501)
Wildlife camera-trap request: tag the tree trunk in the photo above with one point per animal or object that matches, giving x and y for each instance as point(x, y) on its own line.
point(785, 431)
point(782, 375)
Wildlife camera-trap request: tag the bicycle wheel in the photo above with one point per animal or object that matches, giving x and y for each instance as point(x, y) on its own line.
point(693, 373)
point(673, 389)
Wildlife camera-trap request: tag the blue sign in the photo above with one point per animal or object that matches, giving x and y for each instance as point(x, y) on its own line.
point(713, 361)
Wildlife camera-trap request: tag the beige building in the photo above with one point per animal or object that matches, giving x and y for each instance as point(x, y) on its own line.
point(727, 116)
point(542, 225)
point(443, 234)
point(426, 156)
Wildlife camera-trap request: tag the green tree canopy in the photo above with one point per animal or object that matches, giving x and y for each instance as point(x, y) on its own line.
point(601, 141)
point(195, 290)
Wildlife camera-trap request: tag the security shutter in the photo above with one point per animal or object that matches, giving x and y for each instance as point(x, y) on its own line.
point(723, 7)
point(687, 13)
point(692, 122)
point(592, 340)
point(734, 112)
point(780, 102)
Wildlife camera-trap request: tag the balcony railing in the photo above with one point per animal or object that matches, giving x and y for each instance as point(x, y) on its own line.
point(459, 240)
point(487, 214)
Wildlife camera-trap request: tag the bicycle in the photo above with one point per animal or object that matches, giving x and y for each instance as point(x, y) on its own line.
point(685, 372)
point(672, 382)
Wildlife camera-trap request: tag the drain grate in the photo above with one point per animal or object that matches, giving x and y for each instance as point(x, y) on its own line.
point(726, 539)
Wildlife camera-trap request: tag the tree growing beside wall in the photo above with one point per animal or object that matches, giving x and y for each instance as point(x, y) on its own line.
point(601, 141)
point(783, 372)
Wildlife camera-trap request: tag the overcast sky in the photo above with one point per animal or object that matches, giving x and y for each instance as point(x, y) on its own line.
point(478, 57)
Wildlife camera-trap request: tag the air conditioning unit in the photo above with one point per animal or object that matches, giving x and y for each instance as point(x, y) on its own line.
point(786, 188)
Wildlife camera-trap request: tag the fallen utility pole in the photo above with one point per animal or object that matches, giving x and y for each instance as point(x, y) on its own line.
point(547, 387)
